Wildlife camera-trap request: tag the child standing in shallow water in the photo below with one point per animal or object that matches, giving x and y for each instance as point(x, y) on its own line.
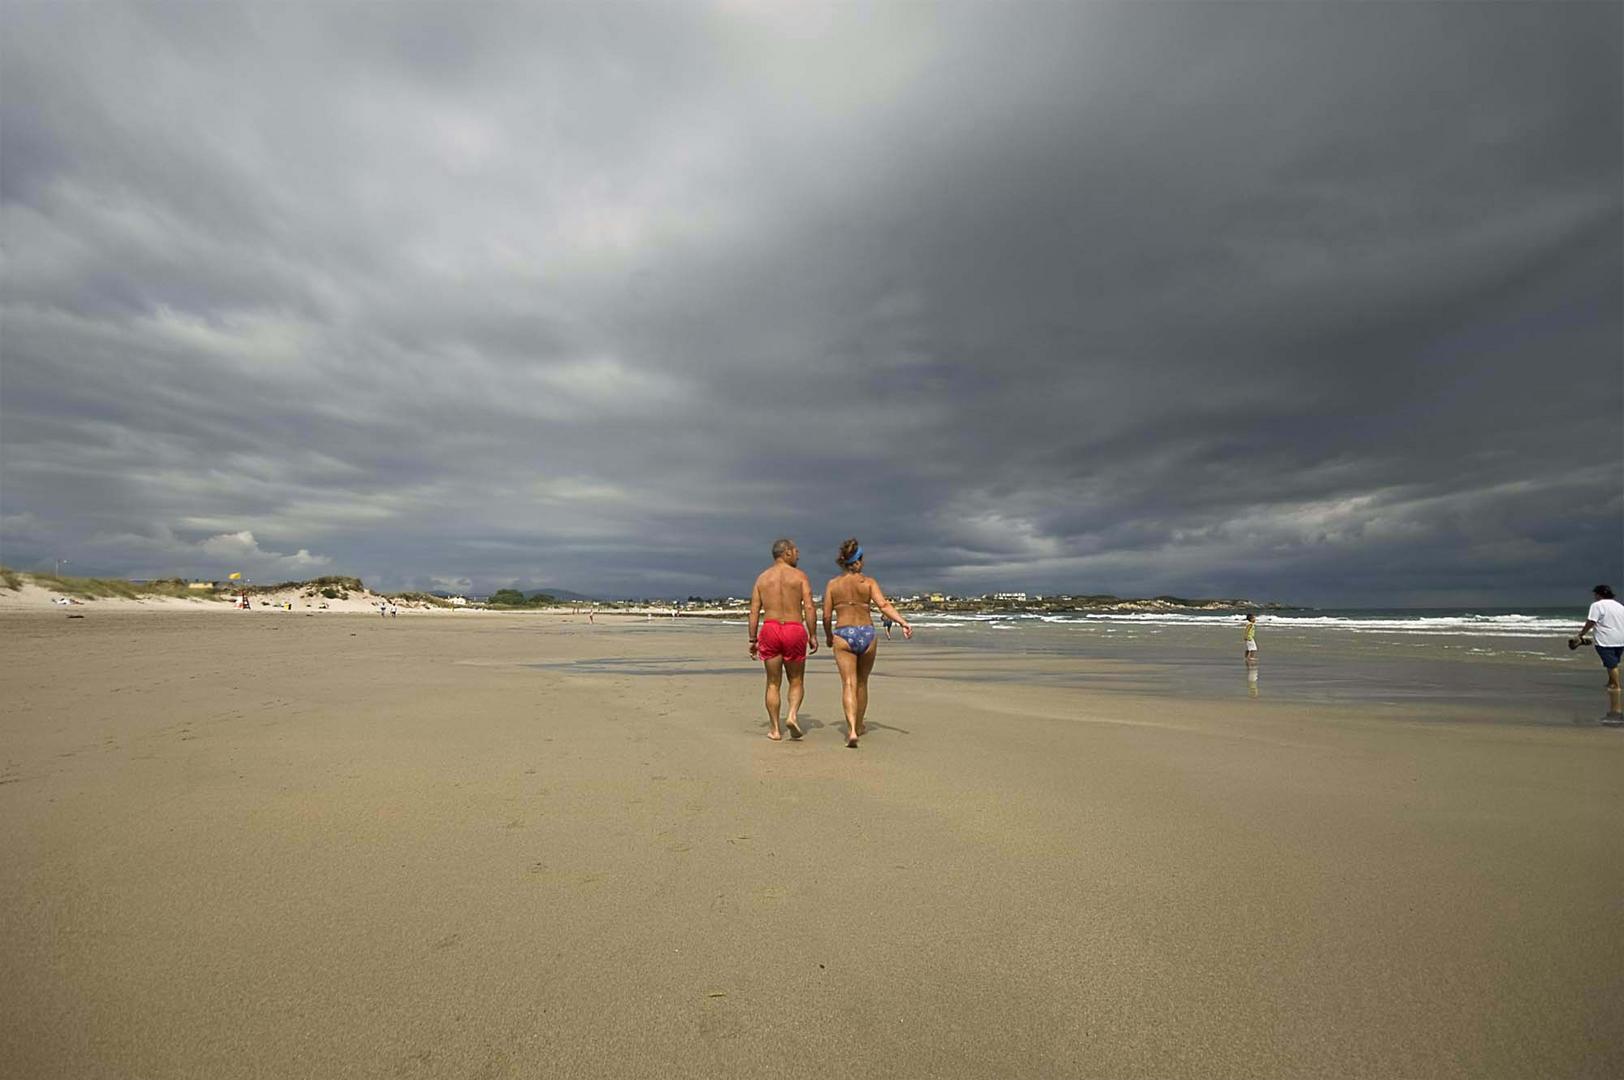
point(1251, 638)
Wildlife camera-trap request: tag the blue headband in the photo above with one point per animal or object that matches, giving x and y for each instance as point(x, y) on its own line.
point(858, 554)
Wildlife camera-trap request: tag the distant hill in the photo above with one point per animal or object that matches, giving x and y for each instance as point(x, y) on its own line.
point(531, 593)
point(560, 594)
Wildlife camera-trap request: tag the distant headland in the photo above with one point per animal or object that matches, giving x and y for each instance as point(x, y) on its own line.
point(342, 593)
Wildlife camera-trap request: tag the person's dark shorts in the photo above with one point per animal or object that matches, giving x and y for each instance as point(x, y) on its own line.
point(1610, 655)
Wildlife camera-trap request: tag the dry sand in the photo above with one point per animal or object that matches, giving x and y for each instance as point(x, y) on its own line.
point(335, 846)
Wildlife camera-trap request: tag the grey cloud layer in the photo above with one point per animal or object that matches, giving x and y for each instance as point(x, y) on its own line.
point(1319, 302)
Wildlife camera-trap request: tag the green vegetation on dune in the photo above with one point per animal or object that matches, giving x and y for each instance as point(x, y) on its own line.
point(421, 598)
point(332, 587)
point(83, 588)
point(322, 585)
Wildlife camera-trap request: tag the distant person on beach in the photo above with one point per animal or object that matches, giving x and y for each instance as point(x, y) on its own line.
point(888, 624)
point(846, 601)
point(783, 595)
point(394, 612)
point(1606, 618)
point(1251, 638)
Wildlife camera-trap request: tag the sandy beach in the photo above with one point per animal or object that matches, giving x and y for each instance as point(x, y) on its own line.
point(294, 845)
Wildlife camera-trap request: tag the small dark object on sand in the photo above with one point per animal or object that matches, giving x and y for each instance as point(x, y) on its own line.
point(75, 616)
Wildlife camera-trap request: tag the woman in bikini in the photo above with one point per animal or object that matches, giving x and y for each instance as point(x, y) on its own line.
point(846, 603)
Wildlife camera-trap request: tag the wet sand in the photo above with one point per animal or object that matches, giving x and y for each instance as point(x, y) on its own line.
point(287, 845)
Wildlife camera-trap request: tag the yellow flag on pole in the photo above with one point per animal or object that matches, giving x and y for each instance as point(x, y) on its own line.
point(235, 576)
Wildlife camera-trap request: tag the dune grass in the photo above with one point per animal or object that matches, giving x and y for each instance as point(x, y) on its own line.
point(422, 598)
point(84, 588)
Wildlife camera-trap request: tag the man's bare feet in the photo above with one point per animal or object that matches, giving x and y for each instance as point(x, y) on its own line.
point(775, 735)
point(862, 729)
point(851, 742)
point(795, 731)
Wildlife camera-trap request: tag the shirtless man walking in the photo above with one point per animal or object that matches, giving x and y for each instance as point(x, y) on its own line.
point(784, 595)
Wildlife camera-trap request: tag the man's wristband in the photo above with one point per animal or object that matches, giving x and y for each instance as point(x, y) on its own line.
point(752, 641)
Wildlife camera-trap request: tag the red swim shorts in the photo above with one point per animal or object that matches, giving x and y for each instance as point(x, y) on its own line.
point(781, 639)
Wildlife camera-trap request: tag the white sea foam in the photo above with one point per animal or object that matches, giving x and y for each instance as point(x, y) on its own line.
point(1524, 626)
point(1462, 625)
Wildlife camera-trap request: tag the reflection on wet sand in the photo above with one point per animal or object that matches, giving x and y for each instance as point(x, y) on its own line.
point(1183, 666)
point(1613, 717)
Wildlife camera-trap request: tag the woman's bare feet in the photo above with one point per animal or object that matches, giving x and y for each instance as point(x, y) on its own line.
point(851, 740)
point(795, 731)
point(775, 735)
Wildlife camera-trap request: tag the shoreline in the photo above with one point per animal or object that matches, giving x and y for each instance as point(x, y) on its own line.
point(1517, 680)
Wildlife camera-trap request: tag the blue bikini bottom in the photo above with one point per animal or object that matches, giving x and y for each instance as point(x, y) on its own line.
point(858, 638)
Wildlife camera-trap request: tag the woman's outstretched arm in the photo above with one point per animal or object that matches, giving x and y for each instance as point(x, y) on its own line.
point(887, 610)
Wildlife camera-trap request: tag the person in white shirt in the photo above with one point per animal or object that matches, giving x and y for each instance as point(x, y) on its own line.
point(1606, 618)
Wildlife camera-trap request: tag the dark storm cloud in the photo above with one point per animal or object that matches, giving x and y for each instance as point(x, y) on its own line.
point(1316, 302)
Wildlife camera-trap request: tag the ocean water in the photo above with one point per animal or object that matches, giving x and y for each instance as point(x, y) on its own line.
point(1497, 665)
point(1529, 623)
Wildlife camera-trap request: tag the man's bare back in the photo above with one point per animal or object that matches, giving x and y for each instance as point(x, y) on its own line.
point(781, 630)
point(783, 590)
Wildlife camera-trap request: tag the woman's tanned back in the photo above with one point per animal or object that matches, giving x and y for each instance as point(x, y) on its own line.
point(850, 594)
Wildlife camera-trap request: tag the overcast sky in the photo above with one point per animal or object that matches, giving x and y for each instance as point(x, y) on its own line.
point(1317, 303)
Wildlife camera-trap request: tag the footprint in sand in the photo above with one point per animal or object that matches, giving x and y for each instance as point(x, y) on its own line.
point(414, 1063)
